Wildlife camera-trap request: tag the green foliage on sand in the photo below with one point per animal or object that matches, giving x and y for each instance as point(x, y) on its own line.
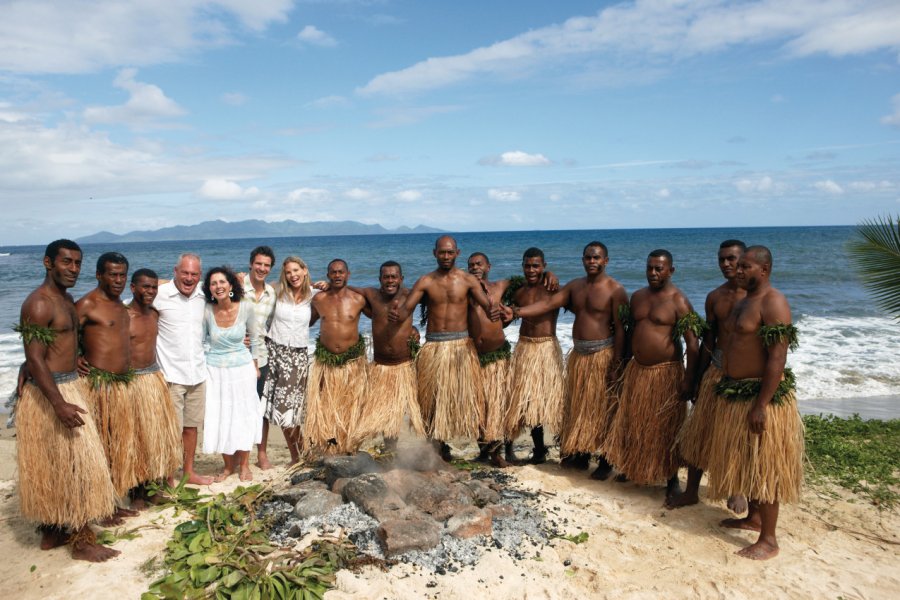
point(223, 552)
point(861, 456)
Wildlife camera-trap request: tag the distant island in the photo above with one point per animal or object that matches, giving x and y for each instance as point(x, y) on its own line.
point(254, 228)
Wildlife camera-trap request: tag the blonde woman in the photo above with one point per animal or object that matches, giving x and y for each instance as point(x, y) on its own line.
point(287, 342)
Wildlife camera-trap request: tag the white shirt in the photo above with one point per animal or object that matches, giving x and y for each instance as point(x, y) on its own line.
point(262, 309)
point(290, 322)
point(179, 346)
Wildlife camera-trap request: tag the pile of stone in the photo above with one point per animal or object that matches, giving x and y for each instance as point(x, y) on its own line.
point(417, 503)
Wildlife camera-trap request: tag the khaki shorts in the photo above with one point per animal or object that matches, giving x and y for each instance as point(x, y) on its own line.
point(190, 403)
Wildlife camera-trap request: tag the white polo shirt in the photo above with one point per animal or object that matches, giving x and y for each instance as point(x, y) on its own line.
point(179, 346)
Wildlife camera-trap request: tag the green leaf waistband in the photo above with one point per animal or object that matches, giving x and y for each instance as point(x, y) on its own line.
point(745, 390)
point(326, 357)
point(504, 352)
point(100, 378)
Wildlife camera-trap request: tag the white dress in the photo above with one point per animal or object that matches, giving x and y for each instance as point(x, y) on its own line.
point(233, 419)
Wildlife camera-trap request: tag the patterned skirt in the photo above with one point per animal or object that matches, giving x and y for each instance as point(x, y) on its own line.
point(285, 388)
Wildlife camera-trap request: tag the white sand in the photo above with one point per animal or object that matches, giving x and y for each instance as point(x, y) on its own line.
point(830, 548)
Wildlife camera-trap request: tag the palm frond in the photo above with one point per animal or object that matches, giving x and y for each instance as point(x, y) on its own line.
point(875, 252)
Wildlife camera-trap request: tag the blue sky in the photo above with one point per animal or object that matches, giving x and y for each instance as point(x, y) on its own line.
point(464, 115)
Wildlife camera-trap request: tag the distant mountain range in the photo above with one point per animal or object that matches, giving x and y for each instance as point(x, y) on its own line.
point(254, 228)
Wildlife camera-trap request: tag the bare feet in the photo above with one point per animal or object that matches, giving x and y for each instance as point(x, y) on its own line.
point(673, 487)
point(680, 500)
point(139, 504)
point(746, 523)
point(737, 504)
point(246, 474)
point(225, 474)
point(761, 550)
point(576, 461)
point(262, 461)
point(85, 547)
point(603, 470)
point(53, 537)
point(92, 552)
point(195, 479)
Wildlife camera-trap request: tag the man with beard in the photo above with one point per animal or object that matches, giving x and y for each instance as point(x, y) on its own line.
point(655, 384)
point(64, 480)
point(337, 380)
point(595, 359)
point(450, 393)
point(756, 448)
point(392, 392)
point(694, 437)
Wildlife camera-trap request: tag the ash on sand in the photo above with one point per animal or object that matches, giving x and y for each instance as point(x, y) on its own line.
point(518, 527)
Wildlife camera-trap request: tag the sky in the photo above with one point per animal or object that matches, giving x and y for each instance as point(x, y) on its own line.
point(467, 115)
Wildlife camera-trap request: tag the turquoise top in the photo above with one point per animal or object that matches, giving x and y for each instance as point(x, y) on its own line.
point(226, 344)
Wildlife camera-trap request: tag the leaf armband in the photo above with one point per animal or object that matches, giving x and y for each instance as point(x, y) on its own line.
point(30, 332)
point(690, 322)
point(515, 284)
point(780, 333)
point(746, 390)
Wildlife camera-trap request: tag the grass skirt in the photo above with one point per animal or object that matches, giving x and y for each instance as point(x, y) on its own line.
point(63, 474)
point(392, 394)
point(233, 418)
point(695, 436)
point(767, 468)
point(495, 382)
point(587, 404)
point(114, 411)
point(333, 404)
point(537, 386)
point(157, 425)
point(450, 394)
point(649, 415)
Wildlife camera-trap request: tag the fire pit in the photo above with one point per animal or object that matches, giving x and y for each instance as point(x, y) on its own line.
point(416, 509)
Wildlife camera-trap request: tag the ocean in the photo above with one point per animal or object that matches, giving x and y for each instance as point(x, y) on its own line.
point(847, 361)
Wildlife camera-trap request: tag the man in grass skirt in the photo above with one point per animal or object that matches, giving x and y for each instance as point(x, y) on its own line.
point(655, 385)
point(757, 445)
point(64, 480)
point(337, 379)
point(450, 392)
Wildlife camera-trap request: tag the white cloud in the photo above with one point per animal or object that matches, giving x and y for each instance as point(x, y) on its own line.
point(82, 36)
point(763, 184)
point(408, 195)
point(234, 98)
point(829, 187)
point(316, 37)
point(655, 30)
point(504, 195)
point(146, 104)
point(223, 189)
point(307, 195)
point(893, 119)
point(516, 158)
point(664, 193)
point(870, 186)
point(358, 194)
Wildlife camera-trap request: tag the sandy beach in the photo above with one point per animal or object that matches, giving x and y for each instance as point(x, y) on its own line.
point(831, 547)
